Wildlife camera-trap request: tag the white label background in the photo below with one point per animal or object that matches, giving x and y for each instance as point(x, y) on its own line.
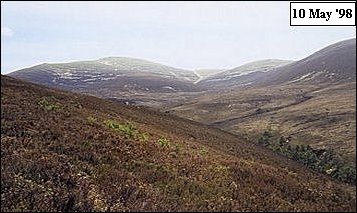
point(324, 7)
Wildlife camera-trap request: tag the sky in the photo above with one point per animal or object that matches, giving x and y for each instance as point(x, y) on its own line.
point(188, 35)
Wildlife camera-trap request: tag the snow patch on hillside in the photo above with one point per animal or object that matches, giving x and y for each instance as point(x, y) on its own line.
point(302, 77)
point(168, 87)
point(200, 77)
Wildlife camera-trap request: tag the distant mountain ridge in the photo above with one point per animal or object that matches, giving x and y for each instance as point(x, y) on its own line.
point(117, 73)
point(334, 63)
point(143, 66)
point(228, 78)
point(106, 77)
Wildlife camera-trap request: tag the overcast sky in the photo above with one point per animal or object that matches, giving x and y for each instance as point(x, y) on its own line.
point(187, 35)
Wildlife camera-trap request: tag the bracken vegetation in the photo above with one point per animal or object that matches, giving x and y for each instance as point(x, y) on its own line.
point(128, 129)
point(48, 105)
point(163, 142)
point(104, 156)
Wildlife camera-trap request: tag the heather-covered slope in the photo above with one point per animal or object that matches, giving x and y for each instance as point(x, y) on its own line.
point(68, 152)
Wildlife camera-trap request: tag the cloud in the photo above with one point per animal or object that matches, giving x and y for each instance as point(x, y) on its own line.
point(6, 32)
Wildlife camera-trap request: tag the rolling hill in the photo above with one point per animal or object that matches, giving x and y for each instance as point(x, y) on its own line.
point(332, 64)
point(62, 151)
point(311, 101)
point(111, 77)
point(233, 77)
point(335, 63)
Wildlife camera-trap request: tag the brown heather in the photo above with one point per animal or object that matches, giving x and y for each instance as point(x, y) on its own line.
point(62, 151)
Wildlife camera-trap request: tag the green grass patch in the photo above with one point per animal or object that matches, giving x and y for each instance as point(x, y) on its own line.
point(91, 120)
point(143, 137)
point(163, 142)
point(47, 104)
point(128, 129)
point(203, 151)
